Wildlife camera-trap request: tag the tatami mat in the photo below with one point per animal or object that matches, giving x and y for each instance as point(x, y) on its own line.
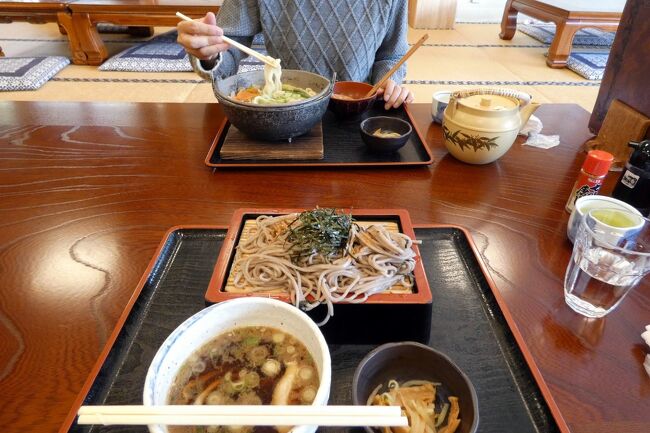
point(456, 63)
point(470, 55)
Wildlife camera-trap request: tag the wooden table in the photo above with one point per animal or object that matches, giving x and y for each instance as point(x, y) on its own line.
point(32, 11)
point(78, 19)
point(87, 46)
point(569, 16)
point(89, 189)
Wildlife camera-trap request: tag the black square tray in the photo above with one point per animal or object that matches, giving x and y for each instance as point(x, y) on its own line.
point(467, 325)
point(342, 146)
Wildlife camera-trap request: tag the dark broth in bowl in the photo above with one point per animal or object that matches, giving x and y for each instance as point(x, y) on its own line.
point(248, 365)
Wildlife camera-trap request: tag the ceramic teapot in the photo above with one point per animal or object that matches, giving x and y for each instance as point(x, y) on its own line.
point(480, 125)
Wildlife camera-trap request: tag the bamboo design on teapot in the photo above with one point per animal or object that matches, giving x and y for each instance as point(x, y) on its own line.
point(464, 141)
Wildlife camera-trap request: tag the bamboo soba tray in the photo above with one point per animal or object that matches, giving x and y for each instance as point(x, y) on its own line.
point(342, 146)
point(412, 307)
point(467, 325)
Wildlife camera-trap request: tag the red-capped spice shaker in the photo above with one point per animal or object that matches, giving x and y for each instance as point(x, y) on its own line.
point(591, 176)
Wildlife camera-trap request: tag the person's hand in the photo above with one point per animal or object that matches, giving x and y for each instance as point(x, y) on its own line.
point(394, 95)
point(202, 38)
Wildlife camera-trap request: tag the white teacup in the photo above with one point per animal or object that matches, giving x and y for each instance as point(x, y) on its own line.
point(440, 102)
point(585, 204)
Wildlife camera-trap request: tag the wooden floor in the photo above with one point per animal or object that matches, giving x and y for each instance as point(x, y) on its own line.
point(471, 55)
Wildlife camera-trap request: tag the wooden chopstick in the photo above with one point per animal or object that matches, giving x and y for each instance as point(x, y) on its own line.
point(388, 74)
point(337, 416)
point(244, 409)
point(266, 59)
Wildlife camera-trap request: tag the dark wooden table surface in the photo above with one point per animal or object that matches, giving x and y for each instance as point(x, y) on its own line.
point(88, 190)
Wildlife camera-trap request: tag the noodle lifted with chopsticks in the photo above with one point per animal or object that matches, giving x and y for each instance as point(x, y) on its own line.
point(272, 82)
point(374, 260)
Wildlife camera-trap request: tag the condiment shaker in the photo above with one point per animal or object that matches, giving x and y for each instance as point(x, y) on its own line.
point(591, 176)
point(633, 187)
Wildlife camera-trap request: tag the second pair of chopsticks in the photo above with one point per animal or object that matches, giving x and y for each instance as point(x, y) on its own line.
point(266, 59)
point(245, 415)
point(392, 70)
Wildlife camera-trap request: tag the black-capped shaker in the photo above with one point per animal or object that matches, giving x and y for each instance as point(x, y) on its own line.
point(633, 187)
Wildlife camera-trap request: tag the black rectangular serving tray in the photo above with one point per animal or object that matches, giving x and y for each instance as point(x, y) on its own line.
point(467, 325)
point(342, 146)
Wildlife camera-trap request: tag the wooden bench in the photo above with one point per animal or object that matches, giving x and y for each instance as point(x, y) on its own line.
point(85, 43)
point(569, 16)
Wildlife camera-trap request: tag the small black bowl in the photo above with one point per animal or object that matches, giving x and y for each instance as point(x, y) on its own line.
point(414, 361)
point(385, 123)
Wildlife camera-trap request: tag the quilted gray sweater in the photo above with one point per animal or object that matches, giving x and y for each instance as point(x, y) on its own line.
point(359, 39)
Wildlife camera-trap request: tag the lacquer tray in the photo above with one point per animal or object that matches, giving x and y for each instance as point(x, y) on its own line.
point(342, 146)
point(467, 325)
point(410, 313)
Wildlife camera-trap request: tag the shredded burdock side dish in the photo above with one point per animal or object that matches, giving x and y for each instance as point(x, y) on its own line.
point(417, 399)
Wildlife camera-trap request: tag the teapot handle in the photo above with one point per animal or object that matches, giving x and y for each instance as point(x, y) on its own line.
point(523, 97)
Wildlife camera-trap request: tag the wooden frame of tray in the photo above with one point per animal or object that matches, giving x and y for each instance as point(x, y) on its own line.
point(383, 161)
point(215, 292)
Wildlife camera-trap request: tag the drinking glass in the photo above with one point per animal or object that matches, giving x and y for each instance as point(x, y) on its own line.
point(611, 254)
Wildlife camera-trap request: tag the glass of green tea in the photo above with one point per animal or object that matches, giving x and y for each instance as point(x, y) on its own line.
point(611, 255)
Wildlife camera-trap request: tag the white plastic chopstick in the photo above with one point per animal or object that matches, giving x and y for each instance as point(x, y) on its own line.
point(266, 59)
point(335, 416)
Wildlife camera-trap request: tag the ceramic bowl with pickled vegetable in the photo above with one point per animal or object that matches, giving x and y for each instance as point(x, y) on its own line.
point(385, 134)
point(349, 99)
point(436, 393)
point(293, 112)
point(246, 351)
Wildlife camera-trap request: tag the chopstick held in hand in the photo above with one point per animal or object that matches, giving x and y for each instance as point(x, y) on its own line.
point(261, 57)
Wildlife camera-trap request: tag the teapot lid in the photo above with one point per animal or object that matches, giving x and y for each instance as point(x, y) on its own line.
point(489, 102)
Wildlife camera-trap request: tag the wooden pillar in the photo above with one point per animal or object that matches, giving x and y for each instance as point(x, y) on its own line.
point(626, 73)
point(432, 14)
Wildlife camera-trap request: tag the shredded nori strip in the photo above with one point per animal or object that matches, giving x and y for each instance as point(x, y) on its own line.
point(321, 231)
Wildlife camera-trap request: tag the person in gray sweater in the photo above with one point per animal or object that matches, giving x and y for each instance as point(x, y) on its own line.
point(360, 40)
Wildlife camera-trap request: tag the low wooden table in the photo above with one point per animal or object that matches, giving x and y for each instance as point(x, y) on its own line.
point(32, 11)
point(78, 19)
point(569, 16)
point(86, 44)
point(89, 189)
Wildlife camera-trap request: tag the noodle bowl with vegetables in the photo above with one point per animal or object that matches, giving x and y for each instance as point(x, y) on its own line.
point(273, 92)
point(274, 106)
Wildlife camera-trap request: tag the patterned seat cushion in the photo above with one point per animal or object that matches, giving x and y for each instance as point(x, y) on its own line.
point(545, 33)
point(590, 65)
point(163, 54)
point(28, 73)
point(160, 54)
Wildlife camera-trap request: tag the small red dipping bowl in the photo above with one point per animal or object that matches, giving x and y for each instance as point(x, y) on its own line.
point(357, 104)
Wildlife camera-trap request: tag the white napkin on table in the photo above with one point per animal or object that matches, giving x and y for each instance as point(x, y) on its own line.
point(534, 125)
point(646, 337)
point(532, 129)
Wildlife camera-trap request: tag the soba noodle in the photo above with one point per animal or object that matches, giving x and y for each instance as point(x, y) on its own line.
point(374, 260)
